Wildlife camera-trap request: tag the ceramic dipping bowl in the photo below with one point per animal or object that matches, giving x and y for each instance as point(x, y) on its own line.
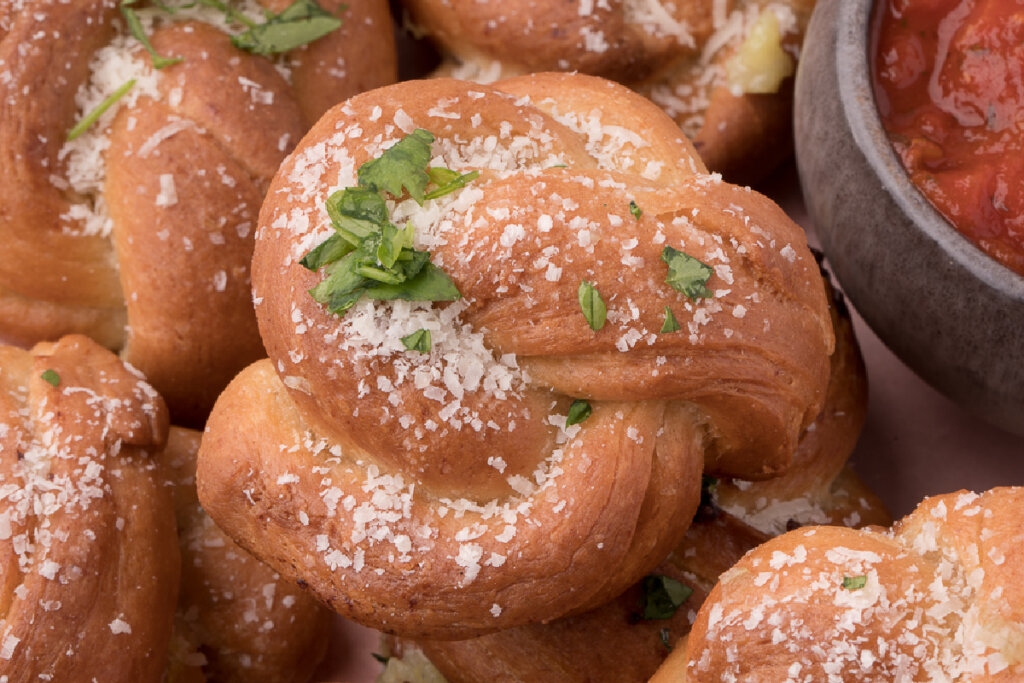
point(951, 313)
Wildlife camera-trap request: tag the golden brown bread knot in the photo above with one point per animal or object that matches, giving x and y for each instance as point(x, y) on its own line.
point(441, 494)
point(686, 56)
point(88, 558)
point(153, 232)
point(939, 597)
point(613, 642)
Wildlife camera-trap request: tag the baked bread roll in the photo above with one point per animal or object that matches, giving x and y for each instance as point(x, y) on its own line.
point(239, 619)
point(720, 68)
point(442, 493)
point(937, 597)
point(616, 642)
point(88, 554)
point(138, 232)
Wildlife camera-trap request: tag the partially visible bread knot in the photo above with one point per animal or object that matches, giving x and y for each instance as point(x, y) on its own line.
point(138, 232)
point(938, 597)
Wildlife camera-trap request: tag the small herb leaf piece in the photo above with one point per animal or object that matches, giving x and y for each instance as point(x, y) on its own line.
point(635, 210)
point(51, 377)
point(687, 274)
point(663, 595)
point(854, 583)
point(135, 26)
point(300, 23)
point(92, 117)
point(380, 658)
point(578, 412)
point(449, 186)
point(670, 324)
point(403, 165)
point(592, 305)
point(418, 341)
point(329, 251)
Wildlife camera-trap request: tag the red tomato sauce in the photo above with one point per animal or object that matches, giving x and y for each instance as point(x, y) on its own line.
point(949, 83)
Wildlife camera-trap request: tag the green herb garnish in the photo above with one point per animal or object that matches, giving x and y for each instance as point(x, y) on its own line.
point(135, 26)
point(369, 256)
point(418, 341)
point(51, 377)
point(380, 658)
point(592, 305)
point(687, 274)
point(92, 117)
point(448, 181)
point(670, 324)
point(663, 595)
point(635, 210)
point(300, 23)
point(578, 412)
point(854, 583)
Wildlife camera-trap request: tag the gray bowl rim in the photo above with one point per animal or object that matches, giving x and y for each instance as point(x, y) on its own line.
point(853, 58)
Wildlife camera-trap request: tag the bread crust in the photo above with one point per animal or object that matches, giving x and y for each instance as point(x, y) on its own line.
point(170, 286)
point(613, 642)
point(676, 54)
point(88, 559)
point(322, 462)
point(244, 621)
point(941, 599)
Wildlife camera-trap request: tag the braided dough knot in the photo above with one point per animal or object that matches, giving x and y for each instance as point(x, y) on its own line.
point(442, 493)
point(936, 598)
point(88, 553)
point(138, 233)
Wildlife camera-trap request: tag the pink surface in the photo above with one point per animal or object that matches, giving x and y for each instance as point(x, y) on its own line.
point(916, 443)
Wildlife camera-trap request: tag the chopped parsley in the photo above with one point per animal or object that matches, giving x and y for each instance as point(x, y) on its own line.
point(592, 305)
point(578, 412)
point(300, 23)
point(51, 377)
point(448, 181)
point(418, 341)
point(369, 256)
point(380, 658)
point(854, 583)
point(687, 274)
point(135, 26)
point(92, 117)
point(670, 324)
point(635, 210)
point(663, 595)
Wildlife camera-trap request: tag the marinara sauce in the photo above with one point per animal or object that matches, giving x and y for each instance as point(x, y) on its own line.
point(949, 82)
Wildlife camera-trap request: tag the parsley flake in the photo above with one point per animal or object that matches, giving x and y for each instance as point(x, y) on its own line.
point(380, 658)
point(592, 305)
point(369, 256)
point(854, 583)
point(687, 274)
point(635, 210)
point(448, 181)
point(51, 377)
point(92, 117)
point(578, 412)
point(418, 341)
point(135, 26)
point(403, 165)
point(300, 23)
point(670, 324)
point(663, 595)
